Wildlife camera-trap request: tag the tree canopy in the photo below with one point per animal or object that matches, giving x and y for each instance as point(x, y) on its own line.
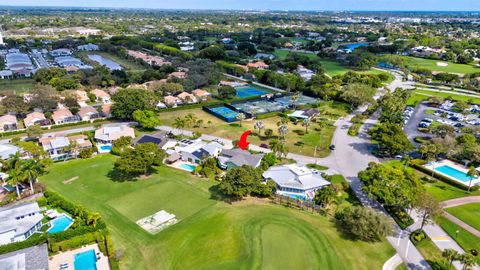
point(128, 101)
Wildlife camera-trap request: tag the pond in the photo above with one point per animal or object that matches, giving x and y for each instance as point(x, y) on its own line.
point(110, 64)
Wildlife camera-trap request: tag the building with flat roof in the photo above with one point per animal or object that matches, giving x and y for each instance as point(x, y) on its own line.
point(108, 134)
point(32, 258)
point(19, 222)
point(296, 181)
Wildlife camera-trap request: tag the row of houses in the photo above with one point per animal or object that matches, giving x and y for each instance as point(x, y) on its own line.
point(152, 60)
point(194, 96)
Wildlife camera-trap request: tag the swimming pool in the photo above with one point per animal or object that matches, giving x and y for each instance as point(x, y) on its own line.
point(354, 46)
point(229, 114)
point(454, 173)
point(106, 147)
point(60, 224)
point(86, 260)
point(246, 92)
point(187, 167)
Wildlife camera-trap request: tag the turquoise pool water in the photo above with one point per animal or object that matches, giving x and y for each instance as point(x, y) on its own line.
point(86, 260)
point(246, 92)
point(187, 167)
point(106, 147)
point(454, 173)
point(60, 224)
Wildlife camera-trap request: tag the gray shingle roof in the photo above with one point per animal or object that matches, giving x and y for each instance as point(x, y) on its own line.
point(240, 157)
point(32, 258)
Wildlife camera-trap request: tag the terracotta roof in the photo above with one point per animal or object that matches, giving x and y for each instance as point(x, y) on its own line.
point(84, 111)
point(7, 119)
point(31, 118)
point(99, 93)
point(60, 114)
point(200, 93)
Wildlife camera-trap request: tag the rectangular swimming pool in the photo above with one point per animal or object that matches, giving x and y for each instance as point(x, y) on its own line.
point(86, 260)
point(454, 173)
point(187, 167)
point(60, 224)
point(246, 92)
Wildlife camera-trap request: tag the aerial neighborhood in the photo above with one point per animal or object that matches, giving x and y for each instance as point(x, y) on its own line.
point(249, 138)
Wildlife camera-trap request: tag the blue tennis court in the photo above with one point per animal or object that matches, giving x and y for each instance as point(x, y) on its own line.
point(228, 114)
point(246, 92)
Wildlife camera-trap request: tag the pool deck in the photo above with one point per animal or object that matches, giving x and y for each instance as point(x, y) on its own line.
point(177, 164)
point(432, 165)
point(68, 257)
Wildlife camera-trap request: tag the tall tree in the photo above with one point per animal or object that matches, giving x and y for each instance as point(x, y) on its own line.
point(428, 208)
point(451, 255)
point(472, 174)
point(364, 224)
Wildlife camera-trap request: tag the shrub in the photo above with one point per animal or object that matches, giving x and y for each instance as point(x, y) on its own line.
point(32, 241)
point(86, 153)
point(418, 236)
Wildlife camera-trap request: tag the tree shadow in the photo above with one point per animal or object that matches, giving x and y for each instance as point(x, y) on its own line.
point(116, 176)
point(216, 194)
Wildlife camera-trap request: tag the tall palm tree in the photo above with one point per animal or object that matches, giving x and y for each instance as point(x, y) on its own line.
point(240, 117)
point(472, 174)
point(259, 125)
point(14, 177)
point(31, 169)
point(179, 123)
point(451, 255)
point(282, 131)
point(93, 219)
point(467, 260)
point(306, 123)
point(294, 99)
point(14, 161)
point(325, 196)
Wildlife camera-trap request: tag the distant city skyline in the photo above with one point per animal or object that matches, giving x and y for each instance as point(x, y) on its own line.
point(332, 5)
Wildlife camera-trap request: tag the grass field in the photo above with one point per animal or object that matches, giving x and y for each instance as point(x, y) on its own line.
point(300, 144)
point(420, 95)
point(415, 62)
point(18, 85)
point(464, 238)
point(429, 250)
point(468, 213)
point(210, 234)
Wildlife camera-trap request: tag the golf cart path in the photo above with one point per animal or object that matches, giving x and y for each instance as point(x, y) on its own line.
point(459, 202)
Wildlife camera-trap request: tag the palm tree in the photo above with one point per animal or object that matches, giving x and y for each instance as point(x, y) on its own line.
point(14, 161)
point(306, 123)
point(241, 117)
point(190, 119)
point(93, 219)
point(14, 178)
point(294, 99)
point(325, 196)
point(30, 172)
point(253, 112)
point(259, 125)
point(472, 173)
point(451, 255)
point(467, 260)
point(282, 131)
point(179, 123)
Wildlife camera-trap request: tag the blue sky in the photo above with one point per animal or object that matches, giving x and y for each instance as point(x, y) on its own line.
point(444, 5)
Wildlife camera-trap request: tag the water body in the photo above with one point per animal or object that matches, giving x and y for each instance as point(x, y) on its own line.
point(110, 64)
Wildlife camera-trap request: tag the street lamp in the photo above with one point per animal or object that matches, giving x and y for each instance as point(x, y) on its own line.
point(456, 233)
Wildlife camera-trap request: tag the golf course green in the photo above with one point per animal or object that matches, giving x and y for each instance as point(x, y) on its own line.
point(252, 234)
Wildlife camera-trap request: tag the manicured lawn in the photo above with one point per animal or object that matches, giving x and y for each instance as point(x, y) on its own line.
point(465, 239)
point(300, 144)
point(420, 95)
point(429, 250)
point(334, 68)
point(443, 191)
point(210, 234)
point(414, 62)
point(18, 85)
point(468, 213)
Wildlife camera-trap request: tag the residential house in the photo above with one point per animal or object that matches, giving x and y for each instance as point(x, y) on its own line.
point(296, 181)
point(6, 74)
point(35, 118)
point(172, 101)
point(6, 150)
point(88, 113)
point(106, 108)
point(101, 95)
point(19, 222)
point(8, 123)
point(81, 95)
point(257, 65)
point(57, 146)
point(160, 138)
point(60, 52)
point(305, 73)
point(231, 158)
point(195, 151)
point(88, 47)
point(187, 97)
point(178, 75)
point(31, 258)
point(64, 116)
point(108, 134)
point(201, 94)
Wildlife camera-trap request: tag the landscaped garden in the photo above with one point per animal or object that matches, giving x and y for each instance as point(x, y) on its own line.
point(210, 234)
point(297, 141)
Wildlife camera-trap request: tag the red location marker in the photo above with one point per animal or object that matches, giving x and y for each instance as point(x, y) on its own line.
point(243, 140)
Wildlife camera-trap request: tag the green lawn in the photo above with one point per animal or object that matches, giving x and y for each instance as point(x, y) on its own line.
point(334, 68)
point(443, 191)
point(468, 213)
point(17, 85)
point(464, 238)
point(429, 250)
point(414, 62)
point(420, 95)
point(210, 234)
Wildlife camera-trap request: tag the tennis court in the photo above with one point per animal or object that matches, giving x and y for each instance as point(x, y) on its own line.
point(302, 100)
point(246, 92)
point(259, 106)
point(224, 113)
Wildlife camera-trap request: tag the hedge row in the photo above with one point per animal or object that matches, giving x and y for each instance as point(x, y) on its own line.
point(30, 242)
point(74, 232)
point(78, 241)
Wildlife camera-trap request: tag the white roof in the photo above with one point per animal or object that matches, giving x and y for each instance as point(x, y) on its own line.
point(294, 176)
point(111, 133)
point(9, 222)
point(7, 149)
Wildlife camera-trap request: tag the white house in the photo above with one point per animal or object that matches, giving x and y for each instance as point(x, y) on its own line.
point(195, 151)
point(108, 134)
point(19, 222)
point(296, 181)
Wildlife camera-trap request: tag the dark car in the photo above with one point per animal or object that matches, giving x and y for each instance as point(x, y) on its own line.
point(332, 147)
point(264, 146)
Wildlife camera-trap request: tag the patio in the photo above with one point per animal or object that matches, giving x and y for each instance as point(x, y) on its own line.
point(65, 260)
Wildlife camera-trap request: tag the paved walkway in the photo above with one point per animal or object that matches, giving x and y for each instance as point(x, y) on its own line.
point(392, 263)
point(460, 201)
